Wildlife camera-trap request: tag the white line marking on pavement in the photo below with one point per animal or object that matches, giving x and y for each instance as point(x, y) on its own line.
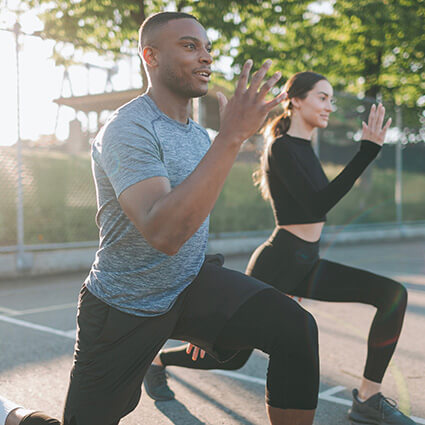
point(66, 334)
point(43, 309)
point(8, 310)
point(327, 395)
point(239, 376)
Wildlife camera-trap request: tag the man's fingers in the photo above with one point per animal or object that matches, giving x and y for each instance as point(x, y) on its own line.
point(243, 79)
point(274, 102)
point(222, 101)
point(269, 84)
point(259, 76)
point(202, 354)
point(189, 348)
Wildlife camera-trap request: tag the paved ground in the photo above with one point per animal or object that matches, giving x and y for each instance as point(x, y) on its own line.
point(37, 322)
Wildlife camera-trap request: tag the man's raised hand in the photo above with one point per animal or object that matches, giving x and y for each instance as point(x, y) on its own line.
point(244, 113)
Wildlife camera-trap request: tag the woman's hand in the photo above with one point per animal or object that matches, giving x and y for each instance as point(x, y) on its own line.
point(196, 351)
point(373, 130)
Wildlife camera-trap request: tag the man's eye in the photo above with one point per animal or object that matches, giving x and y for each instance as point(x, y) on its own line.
point(190, 46)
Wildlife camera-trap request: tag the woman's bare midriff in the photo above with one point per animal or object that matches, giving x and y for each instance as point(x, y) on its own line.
point(309, 232)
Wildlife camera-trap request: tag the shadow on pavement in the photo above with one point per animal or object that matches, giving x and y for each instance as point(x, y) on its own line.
point(207, 398)
point(177, 413)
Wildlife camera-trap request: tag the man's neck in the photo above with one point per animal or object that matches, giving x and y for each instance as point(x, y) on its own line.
point(170, 104)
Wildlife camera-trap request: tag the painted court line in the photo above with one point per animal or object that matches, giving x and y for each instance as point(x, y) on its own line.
point(328, 395)
point(44, 309)
point(8, 311)
point(24, 324)
point(55, 307)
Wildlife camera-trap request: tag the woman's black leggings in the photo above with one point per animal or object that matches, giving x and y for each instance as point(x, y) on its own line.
point(293, 266)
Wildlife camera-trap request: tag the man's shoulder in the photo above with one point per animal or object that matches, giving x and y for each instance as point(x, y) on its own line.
point(137, 112)
point(132, 120)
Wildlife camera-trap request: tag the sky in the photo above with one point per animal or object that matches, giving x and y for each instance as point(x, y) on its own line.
point(40, 82)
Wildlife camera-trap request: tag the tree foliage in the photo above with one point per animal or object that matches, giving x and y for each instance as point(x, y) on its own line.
point(366, 46)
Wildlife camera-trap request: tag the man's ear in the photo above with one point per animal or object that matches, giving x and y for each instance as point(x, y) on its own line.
point(149, 55)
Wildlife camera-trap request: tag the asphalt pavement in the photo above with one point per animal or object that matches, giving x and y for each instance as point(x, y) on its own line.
point(37, 329)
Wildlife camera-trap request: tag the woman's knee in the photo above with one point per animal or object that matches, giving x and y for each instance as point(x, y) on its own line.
point(395, 296)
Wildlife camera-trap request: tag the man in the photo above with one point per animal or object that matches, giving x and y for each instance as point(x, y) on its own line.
point(157, 179)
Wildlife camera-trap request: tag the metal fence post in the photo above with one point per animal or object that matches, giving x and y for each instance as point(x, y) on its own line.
point(398, 192)
point(22, 262)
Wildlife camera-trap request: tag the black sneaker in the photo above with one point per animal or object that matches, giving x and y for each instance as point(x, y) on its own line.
point(156, 384)
point(376, 410)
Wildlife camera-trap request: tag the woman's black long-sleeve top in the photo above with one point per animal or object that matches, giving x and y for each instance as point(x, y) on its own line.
point(299, 189)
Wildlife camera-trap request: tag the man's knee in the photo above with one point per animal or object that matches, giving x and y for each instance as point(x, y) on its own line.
point(238, 361)
point(292, 324)
point(38, 418)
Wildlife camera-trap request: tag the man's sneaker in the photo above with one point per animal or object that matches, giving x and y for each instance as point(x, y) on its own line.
point(156, 384)
point(376, 410)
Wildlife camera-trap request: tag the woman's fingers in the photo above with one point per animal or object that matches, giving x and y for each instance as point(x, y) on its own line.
point(371, 118)
point(380, 117)
point(196, 351)
point(386, 127)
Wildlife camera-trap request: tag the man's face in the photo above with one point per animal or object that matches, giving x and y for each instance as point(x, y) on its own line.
point(184, 60)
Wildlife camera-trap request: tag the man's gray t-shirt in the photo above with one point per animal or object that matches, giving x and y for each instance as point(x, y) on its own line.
point(137, 143)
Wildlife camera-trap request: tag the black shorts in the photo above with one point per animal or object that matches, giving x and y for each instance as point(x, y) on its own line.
point(114, 349)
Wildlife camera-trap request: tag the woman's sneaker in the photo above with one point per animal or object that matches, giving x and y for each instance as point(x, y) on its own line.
point(156, 385)
point(376, 410)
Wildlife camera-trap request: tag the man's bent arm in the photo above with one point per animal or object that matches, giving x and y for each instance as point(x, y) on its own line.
point(167, 217)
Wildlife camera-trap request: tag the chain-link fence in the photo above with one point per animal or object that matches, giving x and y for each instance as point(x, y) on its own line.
point(391, 190)
point(59, 204)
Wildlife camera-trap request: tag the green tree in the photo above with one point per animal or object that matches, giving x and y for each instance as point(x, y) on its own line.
point(369, 46)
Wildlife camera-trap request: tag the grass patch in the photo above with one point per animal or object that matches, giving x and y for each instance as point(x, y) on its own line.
point(60, 199)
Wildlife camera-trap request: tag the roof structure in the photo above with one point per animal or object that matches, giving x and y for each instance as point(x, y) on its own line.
point(108, 101)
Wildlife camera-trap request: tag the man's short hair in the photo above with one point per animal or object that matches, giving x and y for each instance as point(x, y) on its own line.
point(153, 22)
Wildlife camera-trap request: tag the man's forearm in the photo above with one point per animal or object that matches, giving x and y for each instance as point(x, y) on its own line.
point(175, 217)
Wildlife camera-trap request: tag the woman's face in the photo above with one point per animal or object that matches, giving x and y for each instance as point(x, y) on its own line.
point(315, 109)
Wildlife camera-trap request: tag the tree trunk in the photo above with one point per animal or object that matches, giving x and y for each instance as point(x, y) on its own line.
point(372, 70)
point(141, 16)
point(180, 5)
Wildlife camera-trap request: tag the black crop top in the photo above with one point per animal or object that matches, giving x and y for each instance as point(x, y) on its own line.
point(299, 189)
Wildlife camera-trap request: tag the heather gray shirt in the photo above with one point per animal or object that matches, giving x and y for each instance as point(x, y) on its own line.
point(137, 143)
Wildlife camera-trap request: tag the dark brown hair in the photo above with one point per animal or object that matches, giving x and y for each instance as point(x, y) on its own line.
point(299, 85)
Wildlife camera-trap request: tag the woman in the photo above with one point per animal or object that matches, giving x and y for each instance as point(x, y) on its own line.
point(292, 179)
